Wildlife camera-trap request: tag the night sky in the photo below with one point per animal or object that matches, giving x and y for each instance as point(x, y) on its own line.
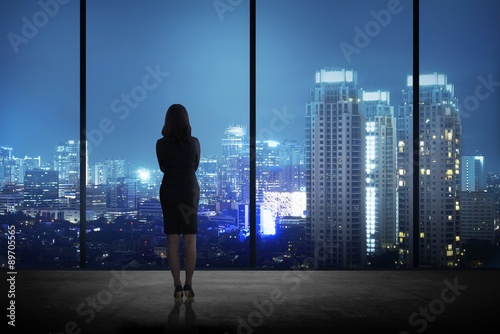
point(203, 60)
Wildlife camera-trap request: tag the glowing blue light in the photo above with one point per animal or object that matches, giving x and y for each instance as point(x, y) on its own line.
point(267, 222)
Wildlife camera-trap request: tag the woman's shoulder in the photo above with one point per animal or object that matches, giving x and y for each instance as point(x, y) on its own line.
point(195, 141)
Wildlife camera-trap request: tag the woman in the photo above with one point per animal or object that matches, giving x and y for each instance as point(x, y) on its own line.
point(179, 155)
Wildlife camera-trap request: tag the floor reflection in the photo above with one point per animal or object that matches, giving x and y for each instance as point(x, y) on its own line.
point(179, 321)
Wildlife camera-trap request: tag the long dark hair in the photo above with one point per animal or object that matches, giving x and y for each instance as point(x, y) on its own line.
point(177, 125)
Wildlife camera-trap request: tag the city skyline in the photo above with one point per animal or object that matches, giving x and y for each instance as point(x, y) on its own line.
point(357, 183)
point(188, 74)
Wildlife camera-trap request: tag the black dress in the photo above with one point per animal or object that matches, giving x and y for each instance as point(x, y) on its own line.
point(179, 191)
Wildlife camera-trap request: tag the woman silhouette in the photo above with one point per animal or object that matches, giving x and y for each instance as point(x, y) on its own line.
point(179, 155)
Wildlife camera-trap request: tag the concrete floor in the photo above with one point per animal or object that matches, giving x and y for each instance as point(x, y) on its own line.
point(257, 301)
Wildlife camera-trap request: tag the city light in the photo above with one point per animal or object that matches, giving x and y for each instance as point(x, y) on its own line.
point(144, 175)
point(268, 226)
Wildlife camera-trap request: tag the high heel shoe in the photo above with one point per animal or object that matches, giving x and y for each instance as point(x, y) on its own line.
point(188, 291)
point(178, 293)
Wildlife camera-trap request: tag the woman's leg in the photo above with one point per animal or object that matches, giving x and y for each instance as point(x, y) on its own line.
point(189, 256)
point(173, 241)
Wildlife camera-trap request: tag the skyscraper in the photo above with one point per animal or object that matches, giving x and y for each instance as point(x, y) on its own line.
point(335, 171)
point(440, 134)
point(473, 178)
point(292, 165)
point(268, 169)
point(41, 188)
point(5, 165)
point(478, 215)
point(21, 165)
point(67, 162)
point(109, 171)
point(235, 164)
point(207, 178)
point(381, 213)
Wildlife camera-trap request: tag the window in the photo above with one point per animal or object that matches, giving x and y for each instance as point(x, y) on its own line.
point(133, 75)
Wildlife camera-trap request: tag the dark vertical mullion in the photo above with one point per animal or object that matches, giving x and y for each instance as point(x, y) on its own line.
point(253, 157)
point(416, 137)
point(83, 137)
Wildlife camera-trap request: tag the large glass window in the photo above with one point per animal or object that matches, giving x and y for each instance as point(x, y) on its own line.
point(459, 140)
point(141, 58)
point(39, 133)
point(334, 145)
point(329, 81)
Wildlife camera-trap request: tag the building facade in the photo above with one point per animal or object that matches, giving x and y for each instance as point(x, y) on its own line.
point(473, 177)
point(440, 182)
point(335, 171)
point(478, 215)
point(381, 179)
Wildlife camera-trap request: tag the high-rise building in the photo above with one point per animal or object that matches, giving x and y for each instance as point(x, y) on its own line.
point(335, 171)
point(96, 199)
point(20, 165)
point(290, 235)
point(67, 162)
point(473, 178)
point(293, 166)
point(235, 165)
point(268, 169)
point(41, 188)
point(478, 215)
point(109, 171)
point(381, 179)
point(243, 216)
point(440, 134)
point(207, 178)
point(5, 165)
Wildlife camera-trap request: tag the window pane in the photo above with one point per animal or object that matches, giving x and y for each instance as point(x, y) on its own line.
point(142, 58)
point(329, 81)
point(39, 132)
point(459, 140)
